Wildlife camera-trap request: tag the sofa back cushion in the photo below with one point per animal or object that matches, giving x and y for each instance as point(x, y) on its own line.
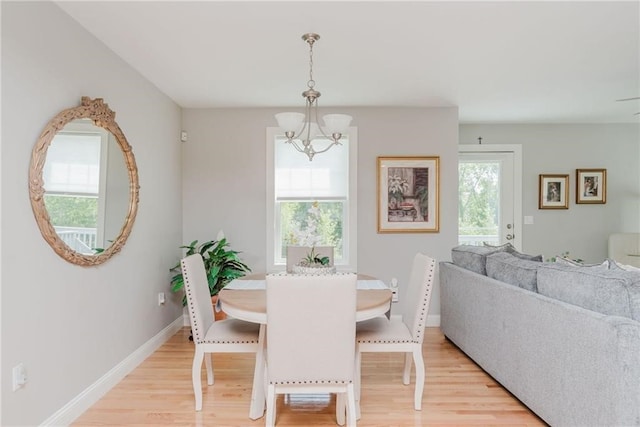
point(510, 268)
point(509, 248)
point(473, 258)
point(607, 291)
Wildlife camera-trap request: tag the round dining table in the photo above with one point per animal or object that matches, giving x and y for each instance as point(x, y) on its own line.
point(250, 304)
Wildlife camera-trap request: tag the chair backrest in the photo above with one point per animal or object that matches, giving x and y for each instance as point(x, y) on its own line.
point(311, 321)
point(416, 302)
point(196, 288)
point(296, 253)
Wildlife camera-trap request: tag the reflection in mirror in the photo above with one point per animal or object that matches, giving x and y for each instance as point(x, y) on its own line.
point(86, 186)
point(83, 183)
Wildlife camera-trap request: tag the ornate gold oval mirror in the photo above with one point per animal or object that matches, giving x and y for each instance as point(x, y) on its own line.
point(83, 184)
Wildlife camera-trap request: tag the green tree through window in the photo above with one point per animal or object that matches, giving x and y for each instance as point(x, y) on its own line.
point(295, 220)
point(478, 198)
point(72, 211)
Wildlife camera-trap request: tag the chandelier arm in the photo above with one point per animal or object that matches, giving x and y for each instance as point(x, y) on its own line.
point(295, 145)
point(328, 146)
point(322, 131)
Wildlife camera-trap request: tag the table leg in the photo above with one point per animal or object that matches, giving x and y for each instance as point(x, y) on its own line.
point(257, 394)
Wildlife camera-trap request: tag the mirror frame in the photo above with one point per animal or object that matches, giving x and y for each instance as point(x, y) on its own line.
point(103, 117)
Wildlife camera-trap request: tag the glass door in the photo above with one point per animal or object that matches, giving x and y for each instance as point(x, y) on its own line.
point(489, 180)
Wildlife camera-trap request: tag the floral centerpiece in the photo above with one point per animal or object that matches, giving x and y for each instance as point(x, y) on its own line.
point(314, 263)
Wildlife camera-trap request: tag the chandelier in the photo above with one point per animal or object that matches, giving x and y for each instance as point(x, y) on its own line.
point(302, 129)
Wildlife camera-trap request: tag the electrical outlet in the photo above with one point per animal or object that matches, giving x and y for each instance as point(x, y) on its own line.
point(394, 290)
point(19, 376)
point(161, 299)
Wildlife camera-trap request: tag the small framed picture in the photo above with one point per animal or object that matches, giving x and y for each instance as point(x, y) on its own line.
point(591, 186)
point(408, 198)
point(553, 192)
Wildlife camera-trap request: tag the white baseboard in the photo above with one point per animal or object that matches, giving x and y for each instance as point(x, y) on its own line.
point(79, 404)
point(433, 320)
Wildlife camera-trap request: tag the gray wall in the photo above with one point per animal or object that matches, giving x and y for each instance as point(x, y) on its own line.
point(68, 324)
point(224, 172)
point(561, 149)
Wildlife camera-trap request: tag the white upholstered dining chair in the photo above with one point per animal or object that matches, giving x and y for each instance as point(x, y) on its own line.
point(211, 336)
point(404, 334)
point(311, 339)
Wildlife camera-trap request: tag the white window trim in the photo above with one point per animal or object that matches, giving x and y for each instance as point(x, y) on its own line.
point(351, 245)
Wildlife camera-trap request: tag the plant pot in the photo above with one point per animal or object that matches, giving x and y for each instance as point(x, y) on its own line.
point(219, 315)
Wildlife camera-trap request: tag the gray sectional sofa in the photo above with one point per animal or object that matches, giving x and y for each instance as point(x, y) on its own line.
point(564, 339)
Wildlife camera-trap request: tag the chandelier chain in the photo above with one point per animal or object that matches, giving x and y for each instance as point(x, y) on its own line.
point(311, 83)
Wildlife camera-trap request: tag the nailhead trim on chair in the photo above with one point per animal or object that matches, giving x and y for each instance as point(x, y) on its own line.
point(284, 273)
point(195, 330)
point(227, 342)
point(310, 382)
point(425, 301)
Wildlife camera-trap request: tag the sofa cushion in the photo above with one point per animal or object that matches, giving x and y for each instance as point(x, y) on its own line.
point(509, 248)
point(607, 291)
point(569, 261)
point(613, 265)
point(473, 257)
point(512, 269)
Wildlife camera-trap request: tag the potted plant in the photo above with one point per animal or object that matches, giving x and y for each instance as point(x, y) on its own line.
point(313, 258)
point(222, 265)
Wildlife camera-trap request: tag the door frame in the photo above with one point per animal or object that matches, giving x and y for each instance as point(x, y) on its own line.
point(516, 149)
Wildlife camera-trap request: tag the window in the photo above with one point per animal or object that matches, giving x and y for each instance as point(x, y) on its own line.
point(311, 202)
point(72, 180)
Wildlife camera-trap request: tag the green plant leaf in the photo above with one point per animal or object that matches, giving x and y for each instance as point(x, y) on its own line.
point(221, 265)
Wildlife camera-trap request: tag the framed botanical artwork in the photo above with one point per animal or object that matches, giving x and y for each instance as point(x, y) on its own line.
point(408, 194)
point(591, 186)
point(553, 192)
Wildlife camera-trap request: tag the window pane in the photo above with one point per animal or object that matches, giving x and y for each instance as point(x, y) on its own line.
point(326, 176)
point(308, 223)
point(478, 202)
point(73, 163)
point(72, 211)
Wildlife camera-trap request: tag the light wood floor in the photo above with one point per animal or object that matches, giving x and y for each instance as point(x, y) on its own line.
point(457, 392)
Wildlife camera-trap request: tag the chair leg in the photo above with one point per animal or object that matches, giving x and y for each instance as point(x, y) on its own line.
point(340, 408)
point(259, 389)
point(419, 362)
point(357, 379)
point(406, 374)
point(195, 376)
point(209, 365)
point(351, 406)
point(270, 418)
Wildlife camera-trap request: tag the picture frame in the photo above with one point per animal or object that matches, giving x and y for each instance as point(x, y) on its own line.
point(553, 191)
point(591, 186)
point(408, 194)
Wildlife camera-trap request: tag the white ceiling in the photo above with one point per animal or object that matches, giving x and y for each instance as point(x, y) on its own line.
point(506, 62)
